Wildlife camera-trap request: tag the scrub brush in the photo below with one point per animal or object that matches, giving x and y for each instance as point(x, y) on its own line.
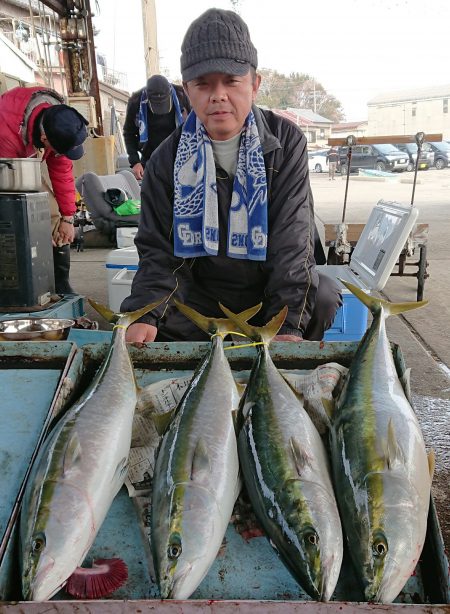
point(104, 577)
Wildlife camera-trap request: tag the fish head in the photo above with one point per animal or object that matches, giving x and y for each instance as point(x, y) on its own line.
point(36, 564)
point(395, 535)
point(318, 539)
point(184, 540)
point(53, 543)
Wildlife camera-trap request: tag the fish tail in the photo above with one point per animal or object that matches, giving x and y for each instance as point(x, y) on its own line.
point(375, 304)
point(264, 333)
point(213, 326)
point(125, 319)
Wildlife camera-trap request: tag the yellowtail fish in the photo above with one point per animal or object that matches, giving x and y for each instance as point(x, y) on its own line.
point(196, 478)
point(286, 471)
point(381, 471)
point(79, 470)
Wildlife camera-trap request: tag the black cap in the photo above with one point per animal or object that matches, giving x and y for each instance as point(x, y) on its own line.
point(65, 129)
point(217, 41)
point(159, 95)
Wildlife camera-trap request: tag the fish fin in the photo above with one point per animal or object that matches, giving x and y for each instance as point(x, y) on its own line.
point(125, 319)
point(301, 458)
point(257, 333)
point(393, 451)
point(235, 418)
point(162, 421)
point(405, 381)
point(121, 470)
point(238, 486)
point(431, 463)
point(213, 326)
point(329, 406)
point(375, 304)
point(200, 461)
point(72, 453)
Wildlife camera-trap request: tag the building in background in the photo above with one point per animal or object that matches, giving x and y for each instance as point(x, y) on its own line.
point(316, 128)
point(344, 129)
point(409, 111)
point(31, 53)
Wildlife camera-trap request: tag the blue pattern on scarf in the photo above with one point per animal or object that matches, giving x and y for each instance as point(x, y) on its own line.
point(196, 217)
point(142, 117)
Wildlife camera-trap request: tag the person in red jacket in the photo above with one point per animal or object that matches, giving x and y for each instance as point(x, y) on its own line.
point(34, 122)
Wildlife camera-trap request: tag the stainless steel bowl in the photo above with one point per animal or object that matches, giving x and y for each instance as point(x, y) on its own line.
point(35, 329)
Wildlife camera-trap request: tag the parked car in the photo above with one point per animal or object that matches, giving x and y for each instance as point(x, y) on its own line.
point(317, 161)
point(441, 151)
point(426, 158)
point(379, 157)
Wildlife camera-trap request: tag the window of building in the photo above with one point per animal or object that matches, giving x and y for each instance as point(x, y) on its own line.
point(445, 105)
point(312, 136)
point(413, 109)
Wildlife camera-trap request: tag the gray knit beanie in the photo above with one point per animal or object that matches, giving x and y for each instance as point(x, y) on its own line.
point(217, 41)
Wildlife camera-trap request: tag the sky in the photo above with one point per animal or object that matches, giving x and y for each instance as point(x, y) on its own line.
point(356, 49)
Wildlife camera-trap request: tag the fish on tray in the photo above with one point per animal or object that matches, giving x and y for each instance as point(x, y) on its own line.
point(286, 471)
point(196, 478)
point(79, 470)
point(381, 471)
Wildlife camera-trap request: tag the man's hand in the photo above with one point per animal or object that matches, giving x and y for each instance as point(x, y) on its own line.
point(141, 333)
point(66, 233)
point(138, 171)
point(287, 338)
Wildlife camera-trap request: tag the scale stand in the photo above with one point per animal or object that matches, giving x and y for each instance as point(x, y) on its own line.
point(342, 247)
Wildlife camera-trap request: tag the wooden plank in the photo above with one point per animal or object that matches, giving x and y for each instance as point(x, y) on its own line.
point(353, 233)
point(419, 233)
point(390, 138)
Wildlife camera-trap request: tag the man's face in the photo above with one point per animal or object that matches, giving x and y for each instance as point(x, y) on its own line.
point(222, 102)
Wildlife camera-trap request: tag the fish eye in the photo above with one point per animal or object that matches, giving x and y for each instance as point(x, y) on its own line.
point(310, 537)
point(379, 545)
point(174, 551)
point(38, 544)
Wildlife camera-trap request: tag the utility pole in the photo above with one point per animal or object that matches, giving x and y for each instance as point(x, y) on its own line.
point(150, 37)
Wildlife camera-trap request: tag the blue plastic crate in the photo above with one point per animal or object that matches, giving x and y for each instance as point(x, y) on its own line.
point(350, 322)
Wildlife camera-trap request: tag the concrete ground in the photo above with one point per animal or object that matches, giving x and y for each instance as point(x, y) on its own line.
point(423, 334)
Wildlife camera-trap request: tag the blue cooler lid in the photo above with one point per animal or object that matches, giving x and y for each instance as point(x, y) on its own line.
point(382, 241)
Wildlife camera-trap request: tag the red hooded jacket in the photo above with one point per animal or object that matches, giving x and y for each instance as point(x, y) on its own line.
point(19, 108)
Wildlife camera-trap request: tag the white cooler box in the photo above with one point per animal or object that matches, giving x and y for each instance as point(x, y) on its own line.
point(121, 266)
point(125, 236)
point(371, 264)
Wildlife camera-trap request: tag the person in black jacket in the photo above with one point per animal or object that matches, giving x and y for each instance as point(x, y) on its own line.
point(226, 209)
point(152, 114)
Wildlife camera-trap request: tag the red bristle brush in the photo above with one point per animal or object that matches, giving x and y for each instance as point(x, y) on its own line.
point(104, 577)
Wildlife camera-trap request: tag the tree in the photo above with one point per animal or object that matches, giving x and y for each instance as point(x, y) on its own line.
point(300, 91)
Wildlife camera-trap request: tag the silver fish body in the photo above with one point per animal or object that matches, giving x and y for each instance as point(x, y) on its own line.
point(78, 472)
point(195, 483)
point(381, 471)
point(286, 472)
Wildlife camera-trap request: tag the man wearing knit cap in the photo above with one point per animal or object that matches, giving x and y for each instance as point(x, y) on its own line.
point(226, 209)
point(153, 112)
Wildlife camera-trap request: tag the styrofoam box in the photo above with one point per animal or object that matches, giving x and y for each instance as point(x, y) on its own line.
point(125, 236)
point(121, 267)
